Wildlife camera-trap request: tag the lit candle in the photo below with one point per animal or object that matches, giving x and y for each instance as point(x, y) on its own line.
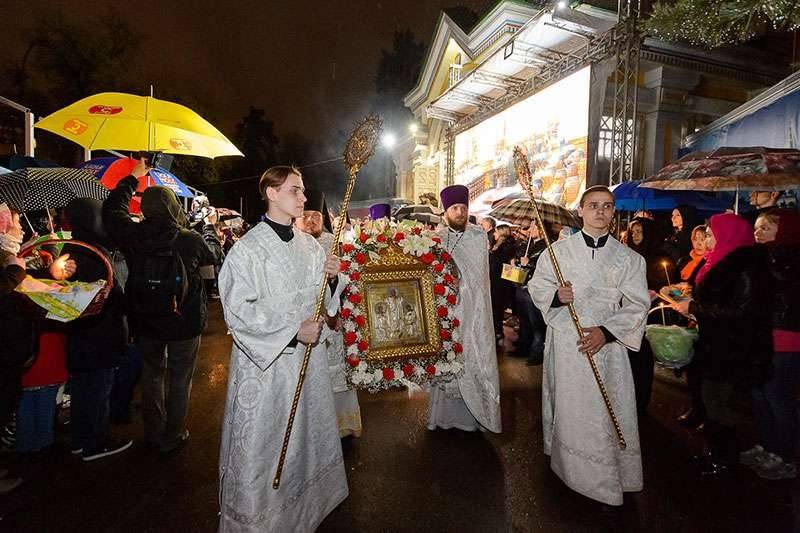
point(666, 272)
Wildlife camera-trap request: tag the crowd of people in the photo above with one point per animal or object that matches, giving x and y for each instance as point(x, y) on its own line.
point(738, 278)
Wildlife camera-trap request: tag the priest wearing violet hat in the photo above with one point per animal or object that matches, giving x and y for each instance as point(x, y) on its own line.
point(472, 402)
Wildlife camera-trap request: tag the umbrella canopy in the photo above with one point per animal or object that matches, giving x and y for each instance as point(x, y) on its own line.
point(404, 212)
point(119, 121)
point(519, 210)
point(227, 214)
point(425, 218)
point(631, 197)
point(731, 169)
point(4, 170)
point(110, 170)
point(40, 188)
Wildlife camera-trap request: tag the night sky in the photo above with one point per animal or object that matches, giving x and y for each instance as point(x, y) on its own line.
point(310, 65)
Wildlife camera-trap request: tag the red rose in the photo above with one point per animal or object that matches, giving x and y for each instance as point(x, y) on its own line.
point(363, 237)
point(355, 298)
point(451, 299)
point(363, 346)
point(417, 231)
point(438, 267)
point(427, 258)
point(444, 334)
point(347, 248)
point(399, 236)
point(439, 289)
point(431, 370)
point(355, 276)
point(408, 370)
point(353, 361)
point(456, 322)
point(449, 279)
point(361, 321)
point(441, 311)
point(361, 258)
point(446, 256)
point(350, 338)
point(345, 313)
point(388, 374)
point(457, 347)
point(381, 238)
point(344, 266)
point(437, 240)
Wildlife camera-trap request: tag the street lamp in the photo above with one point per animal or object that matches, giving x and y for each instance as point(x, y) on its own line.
point(388, 140)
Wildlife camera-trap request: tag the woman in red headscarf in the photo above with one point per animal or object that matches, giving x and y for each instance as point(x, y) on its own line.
point(775, 402)
point(732, 305)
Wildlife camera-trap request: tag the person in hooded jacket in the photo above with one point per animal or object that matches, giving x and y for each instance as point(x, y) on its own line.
point(96, 343)
point(732, 303)
point(169, 344)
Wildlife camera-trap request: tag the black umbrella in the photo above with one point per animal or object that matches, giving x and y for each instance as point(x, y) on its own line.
point(30, 189)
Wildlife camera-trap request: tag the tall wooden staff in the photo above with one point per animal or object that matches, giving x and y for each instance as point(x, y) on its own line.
point(360, 147)
point(524, 177)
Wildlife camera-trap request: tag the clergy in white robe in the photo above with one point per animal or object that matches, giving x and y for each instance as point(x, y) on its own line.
point(316, 222)
point(472, 402)
point(609, 291)
point(268, 285)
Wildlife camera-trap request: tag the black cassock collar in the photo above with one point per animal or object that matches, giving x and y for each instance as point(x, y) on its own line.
point(592, 243)
point(285, 233)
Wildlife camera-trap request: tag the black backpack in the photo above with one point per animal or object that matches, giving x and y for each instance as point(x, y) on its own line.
point(157, 282)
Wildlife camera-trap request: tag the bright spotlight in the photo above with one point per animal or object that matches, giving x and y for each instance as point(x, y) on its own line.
point(562, 4)
point(413, 127)
point(388, 140)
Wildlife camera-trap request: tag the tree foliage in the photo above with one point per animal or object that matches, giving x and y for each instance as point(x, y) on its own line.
point(714, 23)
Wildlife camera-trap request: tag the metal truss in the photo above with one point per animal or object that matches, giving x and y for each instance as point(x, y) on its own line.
point(626, 94)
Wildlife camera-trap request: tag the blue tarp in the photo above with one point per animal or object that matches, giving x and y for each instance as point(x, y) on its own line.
point(776, 125)
point(630, 197)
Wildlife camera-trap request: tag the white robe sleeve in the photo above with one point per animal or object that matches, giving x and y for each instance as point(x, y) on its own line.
point(628, 322)
point(542, 288)
point(261, 326)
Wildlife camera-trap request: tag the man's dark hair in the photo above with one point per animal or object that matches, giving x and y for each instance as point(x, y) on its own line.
point(595, 188)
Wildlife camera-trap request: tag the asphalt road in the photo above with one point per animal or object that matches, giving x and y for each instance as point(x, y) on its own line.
point(402, 477)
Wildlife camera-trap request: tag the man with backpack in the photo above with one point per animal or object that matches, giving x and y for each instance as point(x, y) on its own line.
point(166, 302)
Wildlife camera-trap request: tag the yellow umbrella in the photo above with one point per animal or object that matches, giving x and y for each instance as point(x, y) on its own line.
point(119, 121)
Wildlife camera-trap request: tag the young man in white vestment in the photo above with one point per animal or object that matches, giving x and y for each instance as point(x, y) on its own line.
point(316, 222)
point(269, 284)
point(471, 402)
point(606, 282)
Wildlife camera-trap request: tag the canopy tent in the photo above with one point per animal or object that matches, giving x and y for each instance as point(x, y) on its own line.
point(770, 119)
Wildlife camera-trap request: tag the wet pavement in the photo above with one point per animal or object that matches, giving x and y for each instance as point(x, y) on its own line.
point(402, 477)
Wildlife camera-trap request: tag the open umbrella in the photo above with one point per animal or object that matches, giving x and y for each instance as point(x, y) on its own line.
point(520, 210)
point(404, 212)
point(731, 169)
point(110, 170)
point(631, 197)
point(41, 188)
point(119, 121)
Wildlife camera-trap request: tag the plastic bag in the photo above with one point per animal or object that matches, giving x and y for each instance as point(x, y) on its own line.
point(673, 346)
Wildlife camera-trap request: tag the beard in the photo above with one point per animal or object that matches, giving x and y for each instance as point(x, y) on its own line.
point(458, 225)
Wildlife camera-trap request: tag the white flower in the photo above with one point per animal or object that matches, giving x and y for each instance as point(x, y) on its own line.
point(349, 326)
point(352, 350)
point(366, 378)
point(419, 371)
point(451, 356)
point(456, 367)
point(348, 305)
point(362, 366)
point(377, 375)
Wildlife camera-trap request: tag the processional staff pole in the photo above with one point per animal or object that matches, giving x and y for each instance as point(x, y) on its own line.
point(360, 147)
point(524, 177)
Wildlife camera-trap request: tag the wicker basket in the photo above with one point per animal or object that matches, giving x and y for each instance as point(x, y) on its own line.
point(673, 346)
point(97, 303)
